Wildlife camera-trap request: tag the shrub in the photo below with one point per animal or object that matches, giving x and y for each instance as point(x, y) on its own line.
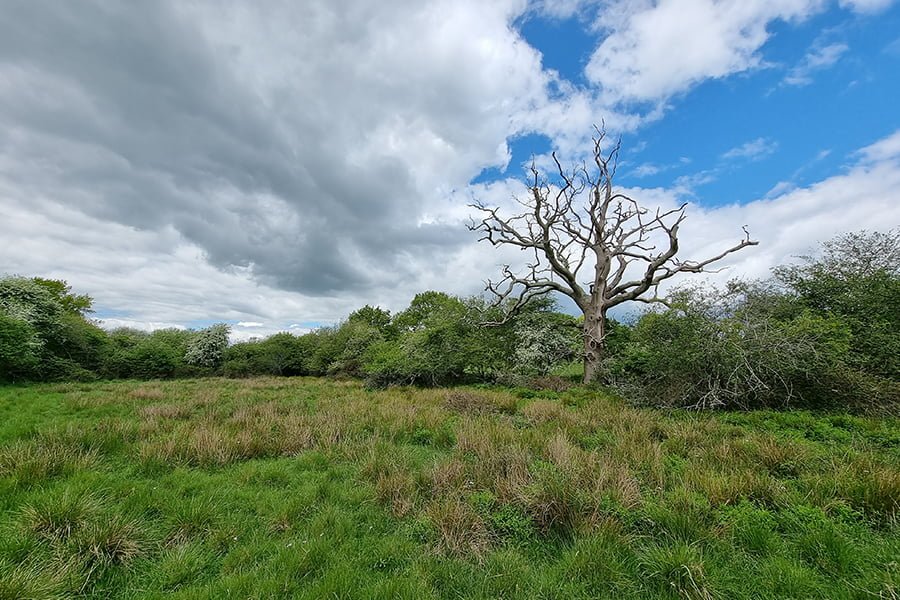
point(43, 332)
point(280, 354)
point(715, 348)
point(18, 349)
point(207, 347)
point(544, 341)
point(856, 278)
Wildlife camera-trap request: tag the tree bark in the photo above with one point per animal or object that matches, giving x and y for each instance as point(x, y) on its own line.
point(594, 343)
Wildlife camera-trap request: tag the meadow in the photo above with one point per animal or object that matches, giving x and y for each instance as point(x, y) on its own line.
point(322, 488)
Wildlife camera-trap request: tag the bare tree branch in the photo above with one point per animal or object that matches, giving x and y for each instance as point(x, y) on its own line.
point(581, 229)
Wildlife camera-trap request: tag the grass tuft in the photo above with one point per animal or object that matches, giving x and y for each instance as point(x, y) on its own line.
point(29, 463)
point(30, 582)
point(57, 517)
point(112, 541)
point(677, 570)
point(460, 529)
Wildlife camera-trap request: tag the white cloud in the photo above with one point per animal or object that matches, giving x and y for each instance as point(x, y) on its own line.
point(883, 150)
point(645, 170)
point(866, 6)
point(111, 323)
point(752, 150)
point(818, 57)
point(781, 188)
point(655, 50)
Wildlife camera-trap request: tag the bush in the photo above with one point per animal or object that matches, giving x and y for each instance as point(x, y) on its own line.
point(138, 355)
point(544, 341)
point(18, 356)
point(723, 349)
point(856, 278)
point(280, 354)
point(44, 334)
point(207, 347)
point(442, 340)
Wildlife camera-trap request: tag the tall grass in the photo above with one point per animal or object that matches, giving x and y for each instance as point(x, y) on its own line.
point(316, 488)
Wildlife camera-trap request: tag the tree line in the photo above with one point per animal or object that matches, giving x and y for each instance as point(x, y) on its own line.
point(822, 332)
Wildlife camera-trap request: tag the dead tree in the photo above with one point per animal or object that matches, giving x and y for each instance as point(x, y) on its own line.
point(591, 243)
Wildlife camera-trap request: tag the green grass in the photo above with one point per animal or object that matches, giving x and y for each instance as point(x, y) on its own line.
point(315, 488)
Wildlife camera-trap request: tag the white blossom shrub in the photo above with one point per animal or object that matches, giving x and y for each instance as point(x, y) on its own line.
point(207, 348)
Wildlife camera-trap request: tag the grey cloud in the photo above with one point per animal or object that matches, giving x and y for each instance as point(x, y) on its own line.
point(131, 113)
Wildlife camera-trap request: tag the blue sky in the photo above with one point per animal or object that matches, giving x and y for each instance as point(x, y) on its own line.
point(277, 166)
point(807, 128)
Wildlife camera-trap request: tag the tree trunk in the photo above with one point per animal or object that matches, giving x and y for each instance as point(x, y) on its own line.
point(594, 343)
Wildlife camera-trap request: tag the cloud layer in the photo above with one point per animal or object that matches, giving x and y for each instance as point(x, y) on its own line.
point(280, 164)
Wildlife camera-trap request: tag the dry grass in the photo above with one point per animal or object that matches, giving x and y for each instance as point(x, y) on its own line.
point(396, 490)
point(477, 403)
point(723, 489)
point(34, 461)
point(541, 412)
point(551, 383)
point(448, 477)
point(147, 393)
point(165, 411)
point(460, 530)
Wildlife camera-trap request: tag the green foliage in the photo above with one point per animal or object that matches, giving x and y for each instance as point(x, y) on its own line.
point(43, 332)
point(280, 354)
point(76, 304)
point(18, 351)
point(856, 279)
point(377, 318)
point(441, 339)
point(824, 332)
point(352, 339)
point(135, 354)
point(724, 348)
point(151, 358)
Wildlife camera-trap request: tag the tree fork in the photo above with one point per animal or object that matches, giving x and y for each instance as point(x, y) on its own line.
point(580, 223)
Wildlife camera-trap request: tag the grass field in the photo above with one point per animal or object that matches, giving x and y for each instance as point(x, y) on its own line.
point(314, 488)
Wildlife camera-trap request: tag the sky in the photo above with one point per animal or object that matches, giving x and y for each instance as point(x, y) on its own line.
point(276, 165)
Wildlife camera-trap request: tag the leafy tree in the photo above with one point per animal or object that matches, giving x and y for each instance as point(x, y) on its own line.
point(79, 304)
point(45, 326)
point(134, 354)
point(26, 300)
point(856, 278)
point(376, 318)
point(18, 353)
point(424, 306)
point(284, 354)
point(441, 339)
point(246, 359)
